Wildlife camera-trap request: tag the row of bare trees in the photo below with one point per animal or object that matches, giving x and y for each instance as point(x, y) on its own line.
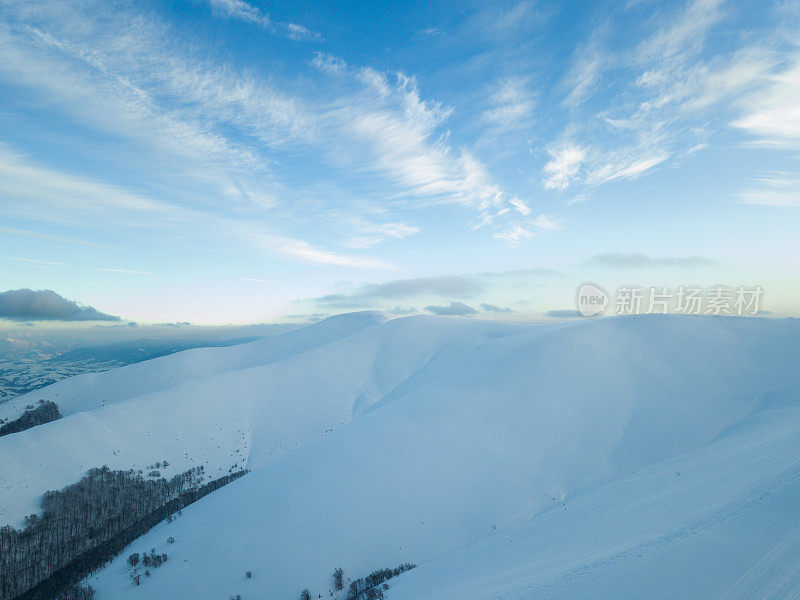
point(86, 524)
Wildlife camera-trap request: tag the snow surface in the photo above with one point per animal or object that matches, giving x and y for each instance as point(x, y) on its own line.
point(650, 456)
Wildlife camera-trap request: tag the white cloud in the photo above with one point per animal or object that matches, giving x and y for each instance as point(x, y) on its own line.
point(773, 113)
point(670, 93)
point(299, 249)
point(396, 133)
point(547, 222)
point(105, 87)
point(214, 130)
point(564, 166)
point(512, 104)
point(35, 261)
point(514, 235)
point(371, 234)
point(301, 32)
point(626, 167)
point(238, 9)
point(329, 63)
point(50, 237)
point(782, 190)
point(125, 271)
point(518, 16)
point(682, 33)
point(584, 72)
point(241, 10)
point(35, 192)
point(519, 232)
point(520, 206)
point(30, 190)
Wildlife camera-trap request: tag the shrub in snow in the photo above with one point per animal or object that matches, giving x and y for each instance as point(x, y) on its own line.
point(338, 579)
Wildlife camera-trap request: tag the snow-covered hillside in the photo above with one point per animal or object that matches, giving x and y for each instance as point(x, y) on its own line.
point(651, 456)
point(191, 408)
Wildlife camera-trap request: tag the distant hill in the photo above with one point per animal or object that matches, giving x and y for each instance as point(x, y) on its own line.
point(132, 351)
point(37, 358)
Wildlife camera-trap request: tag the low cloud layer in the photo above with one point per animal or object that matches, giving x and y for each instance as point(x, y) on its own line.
point(447, 286)
point(493, 308)
point(454, 309)
point(562, 313)
point(453, 285)
point(620, 259)
point(46, 305)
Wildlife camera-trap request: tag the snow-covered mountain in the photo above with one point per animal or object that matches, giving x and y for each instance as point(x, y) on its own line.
point(651, 456)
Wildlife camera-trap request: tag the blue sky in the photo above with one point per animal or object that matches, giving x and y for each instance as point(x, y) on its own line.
point(221, 161)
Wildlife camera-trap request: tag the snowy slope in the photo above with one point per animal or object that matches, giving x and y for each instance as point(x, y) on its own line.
point(507, 460)
point(719, 522)
point(191, 408)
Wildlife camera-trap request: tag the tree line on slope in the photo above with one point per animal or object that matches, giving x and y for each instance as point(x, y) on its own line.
point(45, 412)
point(88, 523)
point(370, 587)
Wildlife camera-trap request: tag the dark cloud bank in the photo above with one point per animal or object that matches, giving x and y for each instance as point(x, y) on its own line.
point(46, 305)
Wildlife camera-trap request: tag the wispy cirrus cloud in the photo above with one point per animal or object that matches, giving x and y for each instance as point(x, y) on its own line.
point(41, 235)
point(682, 32)
point(35, 261)
point(514, 235)
point(636, 260)
point(626, 165)
point(772, 114)
point(370, 233)
point(669, 93)
point(585, 71)
point(125, 74)
point(511, 104)
point(564, 165)
point(53, 195)
point(517, 233)
point(125, 271)
point(34, 191)
point(238, 9)
point(389, 121)
point(779, 189)
point(107, 84)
